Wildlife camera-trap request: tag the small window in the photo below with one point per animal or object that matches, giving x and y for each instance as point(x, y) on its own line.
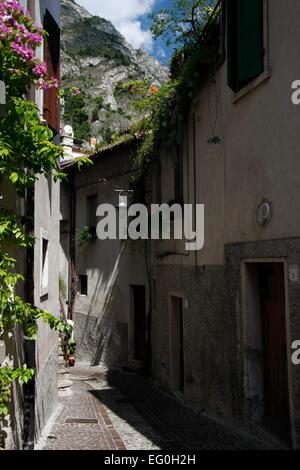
point(245, 42)
point(83, 285)
point(154, 293)
point(52, 59)
point(178, 179)
point(44, 283)
point(157, 183)
point(91, 211)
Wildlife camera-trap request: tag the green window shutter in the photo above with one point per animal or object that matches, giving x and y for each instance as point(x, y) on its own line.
point(231, 42)
point(249, 39)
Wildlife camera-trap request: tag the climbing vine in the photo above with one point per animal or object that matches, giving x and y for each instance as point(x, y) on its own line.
point(168, 106)
point(26, 153)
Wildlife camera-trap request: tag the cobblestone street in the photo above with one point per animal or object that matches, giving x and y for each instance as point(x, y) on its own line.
point(112, 410)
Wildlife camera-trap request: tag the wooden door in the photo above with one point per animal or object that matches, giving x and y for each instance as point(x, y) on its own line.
point(181, 346)
point(177, 345)
point(276, 396)
point(52, 59)
point(139, 310)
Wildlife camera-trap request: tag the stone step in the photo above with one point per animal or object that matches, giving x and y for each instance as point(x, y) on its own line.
point(63, 371)
point(64, 383)
point(65, 392)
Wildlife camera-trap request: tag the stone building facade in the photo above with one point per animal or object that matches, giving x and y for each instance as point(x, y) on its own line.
point(226, 317)
point(109, 273)
point(40, 267)
point(219, 324)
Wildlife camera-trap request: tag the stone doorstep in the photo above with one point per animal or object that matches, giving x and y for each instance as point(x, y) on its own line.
point(62, 384)
point(65, 392)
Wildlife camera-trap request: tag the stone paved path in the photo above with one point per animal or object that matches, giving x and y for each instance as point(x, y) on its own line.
point(111, 410)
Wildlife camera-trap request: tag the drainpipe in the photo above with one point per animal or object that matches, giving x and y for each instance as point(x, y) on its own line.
point(72, 265)
point(29, 396)
point(148, 359)
point(195, 181)
point(29, 345)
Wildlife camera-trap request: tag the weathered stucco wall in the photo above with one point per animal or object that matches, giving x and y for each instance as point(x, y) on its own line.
point(207, 335)
point(102, 318)
point(47, 209)
point(256, 159)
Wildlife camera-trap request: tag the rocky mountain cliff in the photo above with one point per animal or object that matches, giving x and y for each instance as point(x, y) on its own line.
point(96, 58)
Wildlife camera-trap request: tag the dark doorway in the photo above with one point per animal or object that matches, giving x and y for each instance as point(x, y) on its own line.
point(177, 344)
point(276, 394)
point(139, 318)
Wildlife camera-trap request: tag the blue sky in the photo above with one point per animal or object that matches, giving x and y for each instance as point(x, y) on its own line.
point(131, 18)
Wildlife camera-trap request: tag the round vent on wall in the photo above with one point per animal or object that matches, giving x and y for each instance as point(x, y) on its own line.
point(264, 213)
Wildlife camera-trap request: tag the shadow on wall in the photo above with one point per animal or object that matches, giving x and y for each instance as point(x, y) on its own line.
point(94, 333)
point(11, 428)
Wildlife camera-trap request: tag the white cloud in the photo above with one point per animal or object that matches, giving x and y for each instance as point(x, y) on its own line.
point(132, 31)
point(124, 14)
point(161, 53)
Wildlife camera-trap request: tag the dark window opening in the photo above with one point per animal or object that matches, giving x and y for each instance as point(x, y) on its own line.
point(157, 182)
point(52, 59)
point(83, 285)
point(178, 179)
point(245, 44)
point(91, 213)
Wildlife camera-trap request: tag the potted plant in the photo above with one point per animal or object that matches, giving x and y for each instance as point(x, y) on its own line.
point(71, 350)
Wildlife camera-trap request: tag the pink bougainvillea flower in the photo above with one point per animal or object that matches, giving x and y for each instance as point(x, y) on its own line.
point(40, 69)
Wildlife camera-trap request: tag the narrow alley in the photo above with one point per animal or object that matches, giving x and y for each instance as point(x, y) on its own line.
point(113, 410)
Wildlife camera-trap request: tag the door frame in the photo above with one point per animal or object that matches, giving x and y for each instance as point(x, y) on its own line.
point(135, 363)
point(285, 264)
point(173, 366)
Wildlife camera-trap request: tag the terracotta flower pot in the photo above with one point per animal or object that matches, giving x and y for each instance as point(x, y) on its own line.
point(71, 361)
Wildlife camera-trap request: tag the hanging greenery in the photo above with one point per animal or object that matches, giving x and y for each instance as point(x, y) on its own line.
point(26, 153)
point(168, 107)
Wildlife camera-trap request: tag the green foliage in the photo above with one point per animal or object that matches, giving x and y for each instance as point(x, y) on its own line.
point(115, 140)
point(182, 24)
point(106, 135)
point(95, 115)
point(107, 53)
point(168, 109)
point(75, 113)
point(62, 287)
point(71, 347)
point(68, 345)
point(7, 376)
point(84, 236)
point(27, 151)
point(26, 143)
point(99, 100)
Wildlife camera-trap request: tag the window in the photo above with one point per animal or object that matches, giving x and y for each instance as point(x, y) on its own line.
point(245, 42)
point(83, 284)
point(178, 179)
point(91, 212)
point(157, 182)
point(52, 59)
point(44, 283)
